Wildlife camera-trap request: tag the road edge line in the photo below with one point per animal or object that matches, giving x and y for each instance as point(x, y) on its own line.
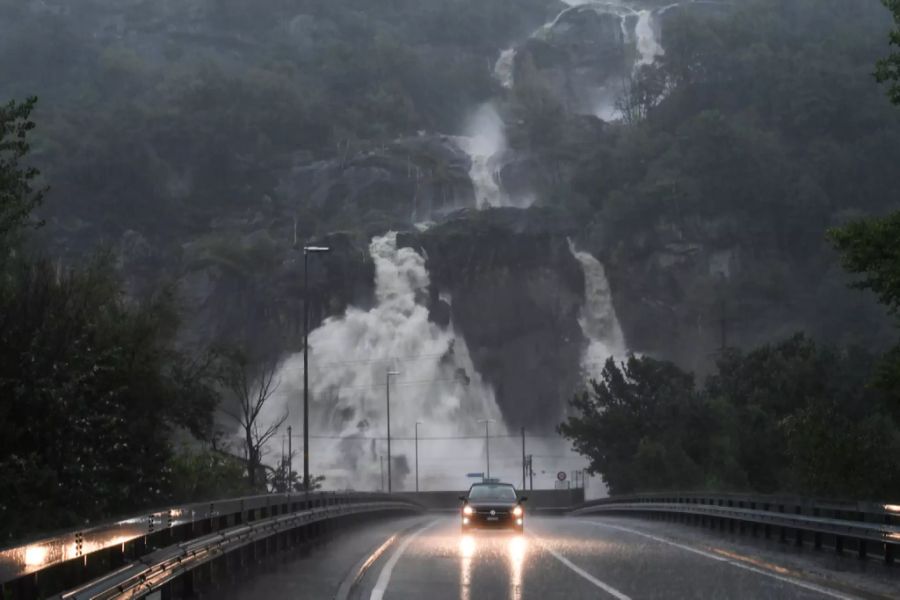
point(741, 565)
point(362, 566)
point(579, 571)
point(384, 577)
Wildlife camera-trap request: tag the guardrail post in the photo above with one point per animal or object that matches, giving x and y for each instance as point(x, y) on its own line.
point(862, 549)
point(838, 544)
point(889, 551)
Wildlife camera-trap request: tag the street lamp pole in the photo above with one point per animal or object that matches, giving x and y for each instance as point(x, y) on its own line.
point(487, 444)
point(306, 252)
point(417, 454)
point(388, 400)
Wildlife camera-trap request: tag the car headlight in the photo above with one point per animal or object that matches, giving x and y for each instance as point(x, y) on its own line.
point(517, 511)
point(468, 510)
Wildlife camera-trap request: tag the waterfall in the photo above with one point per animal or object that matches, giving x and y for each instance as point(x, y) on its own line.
point(503, 70)
point(598, 319)
point(648, 46)
point(485, 143)
point(350, 356)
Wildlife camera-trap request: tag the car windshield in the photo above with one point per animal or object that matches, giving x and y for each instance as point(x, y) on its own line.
point(492, 492)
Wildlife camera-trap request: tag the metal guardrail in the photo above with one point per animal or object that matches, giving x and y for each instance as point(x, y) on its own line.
point(184, 534)
point(156, 569)
point(863, 523)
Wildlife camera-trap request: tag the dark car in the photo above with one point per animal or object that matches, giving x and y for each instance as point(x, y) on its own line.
point(492, 505)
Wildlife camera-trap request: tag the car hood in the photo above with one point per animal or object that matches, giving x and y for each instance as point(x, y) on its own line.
point(492, 503)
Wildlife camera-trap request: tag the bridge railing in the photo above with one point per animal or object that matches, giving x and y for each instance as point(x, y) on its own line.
point(129, 550)
point(870, 528)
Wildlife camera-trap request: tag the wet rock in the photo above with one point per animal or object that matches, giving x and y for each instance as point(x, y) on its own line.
point(516, 294)
point(409, 180)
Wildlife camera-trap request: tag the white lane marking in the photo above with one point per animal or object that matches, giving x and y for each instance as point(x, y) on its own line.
point(603, 586)
point(808, 586)
point(384, 578)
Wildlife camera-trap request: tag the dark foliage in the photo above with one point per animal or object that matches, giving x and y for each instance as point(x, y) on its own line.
point(90, 391)
point(793, 417)
point(91, 387)
point(18, 196)
point(888, 69)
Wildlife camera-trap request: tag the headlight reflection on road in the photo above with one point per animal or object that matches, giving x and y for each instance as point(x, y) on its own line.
point(518, 547)
point(467, 546)
point(466, 552)
point(515, 549)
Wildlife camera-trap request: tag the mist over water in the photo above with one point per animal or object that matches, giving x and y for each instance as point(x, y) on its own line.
point(437, 384)
point(350, 356)
point(485, 142)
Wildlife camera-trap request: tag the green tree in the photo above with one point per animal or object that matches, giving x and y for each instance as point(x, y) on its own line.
point(91, 391)
point(642, 426)
point(806, 418)
point(870, 249)
point(18, 194)
point(788, 417)
point(91, 385)
point(206, 474)
point(888, 69)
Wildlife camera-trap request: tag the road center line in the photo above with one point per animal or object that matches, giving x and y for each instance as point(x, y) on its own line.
point(741, 565)
point(603, 586)
point(384, 578)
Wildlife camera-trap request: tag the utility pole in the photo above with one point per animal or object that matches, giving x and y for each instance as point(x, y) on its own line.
point(306, 252)
point(290, 461)
point(531, 471)
point(523, 458)
point(388, 400)
point(381, 458)
point(724, 323)
point(417, 454)
point(487, 445)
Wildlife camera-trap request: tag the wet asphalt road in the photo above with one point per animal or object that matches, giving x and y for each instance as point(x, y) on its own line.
point(566, 558)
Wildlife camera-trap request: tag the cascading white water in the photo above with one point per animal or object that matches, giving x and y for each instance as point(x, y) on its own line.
point(648, 46)
point(598, 319)
point(643, 34)
point(485, 143)
point(503, 69)
point(350, 356)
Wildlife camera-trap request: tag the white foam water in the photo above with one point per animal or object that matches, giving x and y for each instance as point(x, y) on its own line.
point(350, 356)
point(485, 143)
point(598, 319)
point(503, 69)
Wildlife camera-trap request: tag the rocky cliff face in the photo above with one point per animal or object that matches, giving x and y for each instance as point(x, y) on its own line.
point(581, 57)
point(510, 285)
point(248, 288)
point(504, 278)
point(685, 288)
point(410, 180)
